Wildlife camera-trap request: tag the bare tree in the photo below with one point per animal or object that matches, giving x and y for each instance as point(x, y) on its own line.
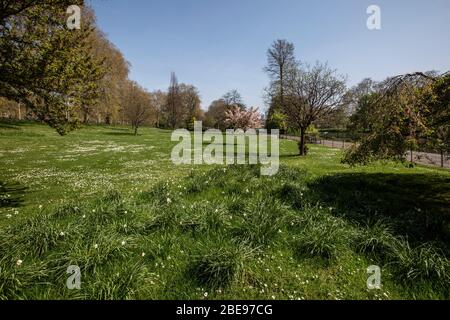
point(137, 105)
point(313, 92)
point(280, 62)
point(233, 98)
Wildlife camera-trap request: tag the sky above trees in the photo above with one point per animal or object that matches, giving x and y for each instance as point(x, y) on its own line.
point(221, 45)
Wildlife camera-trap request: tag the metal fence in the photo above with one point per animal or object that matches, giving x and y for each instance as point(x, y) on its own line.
point(425, 158)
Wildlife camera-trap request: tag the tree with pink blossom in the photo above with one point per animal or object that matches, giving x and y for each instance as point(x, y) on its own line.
point(240, 118)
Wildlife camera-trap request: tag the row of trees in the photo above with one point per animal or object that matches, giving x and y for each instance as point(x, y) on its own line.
point(67, 77)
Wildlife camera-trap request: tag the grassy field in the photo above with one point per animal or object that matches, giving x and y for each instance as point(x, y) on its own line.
point(140, 227)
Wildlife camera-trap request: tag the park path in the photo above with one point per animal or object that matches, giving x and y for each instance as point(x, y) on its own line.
point(425, 158)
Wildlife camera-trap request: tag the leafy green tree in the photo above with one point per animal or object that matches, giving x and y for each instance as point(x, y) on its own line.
point(406, 112)
point(44, 65)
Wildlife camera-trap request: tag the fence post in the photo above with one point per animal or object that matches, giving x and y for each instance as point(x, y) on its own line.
point(442, 158)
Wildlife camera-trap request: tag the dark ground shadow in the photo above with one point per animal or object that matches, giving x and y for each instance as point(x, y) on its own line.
point(11, 195)
point(414, 205)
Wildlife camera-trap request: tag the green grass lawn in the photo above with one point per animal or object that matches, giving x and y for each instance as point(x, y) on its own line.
point(140, 227)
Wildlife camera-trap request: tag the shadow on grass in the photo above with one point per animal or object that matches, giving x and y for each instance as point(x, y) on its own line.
point(11, 195)
point(415, 205)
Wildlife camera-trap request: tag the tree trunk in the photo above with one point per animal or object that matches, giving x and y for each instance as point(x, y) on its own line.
point(135, 130)
point(302, 142)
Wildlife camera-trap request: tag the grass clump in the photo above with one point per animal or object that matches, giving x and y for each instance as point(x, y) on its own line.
point(321, 235)
point(375, 241)
point(423, 263)
point(219, 265)
point(260, 221)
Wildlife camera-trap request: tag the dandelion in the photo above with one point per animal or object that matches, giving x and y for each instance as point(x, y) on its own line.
point(123, 243)
point(84, 216)
point(205, 294)
point(62, 234)
point(16, 212)
point(143, 254)
point(40, 206)
point(95, 246)
point(8, 216)
point(169, 200)
point(19, 263)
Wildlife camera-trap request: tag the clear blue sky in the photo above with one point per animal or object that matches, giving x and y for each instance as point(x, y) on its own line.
point(219, 45)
